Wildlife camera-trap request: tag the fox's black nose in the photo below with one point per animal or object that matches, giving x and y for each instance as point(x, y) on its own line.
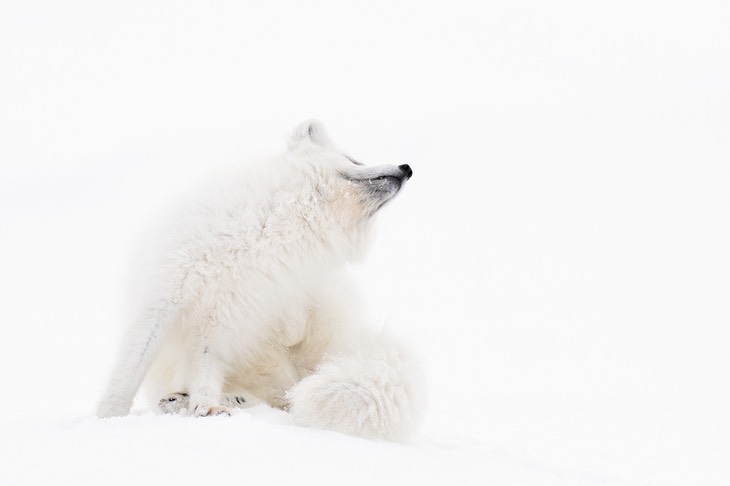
point(407, 169)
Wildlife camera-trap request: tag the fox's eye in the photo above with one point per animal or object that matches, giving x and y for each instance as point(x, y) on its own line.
point(353, 160)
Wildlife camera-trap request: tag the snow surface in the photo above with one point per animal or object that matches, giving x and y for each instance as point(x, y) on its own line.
point(560, 259)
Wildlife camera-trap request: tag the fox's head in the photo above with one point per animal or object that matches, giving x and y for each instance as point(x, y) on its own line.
point(347, 192)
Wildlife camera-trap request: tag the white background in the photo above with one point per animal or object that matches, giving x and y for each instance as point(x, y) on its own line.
point(560, 259)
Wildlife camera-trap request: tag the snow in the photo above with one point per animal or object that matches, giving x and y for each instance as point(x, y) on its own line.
point(559, 260)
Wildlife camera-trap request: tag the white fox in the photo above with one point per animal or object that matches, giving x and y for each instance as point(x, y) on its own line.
point(251, 302)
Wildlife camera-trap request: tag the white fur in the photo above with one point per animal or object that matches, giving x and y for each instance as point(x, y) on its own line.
point(251, 298)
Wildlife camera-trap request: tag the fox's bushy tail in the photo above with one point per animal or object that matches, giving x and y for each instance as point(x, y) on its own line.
point(372, 391)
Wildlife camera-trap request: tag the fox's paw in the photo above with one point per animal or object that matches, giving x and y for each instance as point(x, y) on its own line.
point(174, 402)
point(209, 411)
point(236, 401)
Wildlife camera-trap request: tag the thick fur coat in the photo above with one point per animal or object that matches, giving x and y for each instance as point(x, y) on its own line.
point(251, 302)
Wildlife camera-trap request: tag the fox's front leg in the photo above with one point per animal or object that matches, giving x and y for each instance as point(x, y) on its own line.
point(206, 383)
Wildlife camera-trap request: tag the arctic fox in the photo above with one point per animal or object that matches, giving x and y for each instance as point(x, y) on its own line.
point(252, 303)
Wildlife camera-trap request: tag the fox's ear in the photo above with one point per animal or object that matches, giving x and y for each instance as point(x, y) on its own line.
point(310, 131)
